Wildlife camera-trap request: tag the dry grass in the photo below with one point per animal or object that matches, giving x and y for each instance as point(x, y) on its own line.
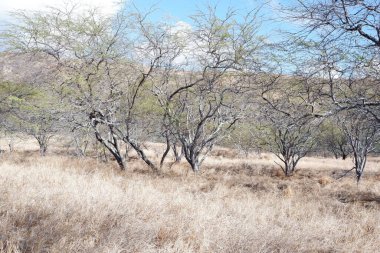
point(62, 204)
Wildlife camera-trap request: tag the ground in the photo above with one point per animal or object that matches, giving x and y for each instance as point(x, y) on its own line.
point(60, 203)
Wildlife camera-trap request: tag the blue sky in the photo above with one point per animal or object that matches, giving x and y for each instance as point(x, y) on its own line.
point(177, 10)
point(180, 10)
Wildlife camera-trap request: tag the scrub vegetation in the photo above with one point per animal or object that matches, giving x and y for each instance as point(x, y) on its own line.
point(127, 133)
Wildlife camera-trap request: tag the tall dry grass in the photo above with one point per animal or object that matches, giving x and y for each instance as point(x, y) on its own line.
point(61, 204)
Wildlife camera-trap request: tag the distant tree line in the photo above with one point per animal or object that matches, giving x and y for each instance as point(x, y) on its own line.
point(123, 80)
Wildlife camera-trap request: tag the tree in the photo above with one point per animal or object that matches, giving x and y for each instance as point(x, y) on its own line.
point(38, 117)
point(288, 138)
point(362, 131)
point(25, 102)
point(104, 67)
point(346, 35)
point(333, 139)
point(31, 111)
point(286, 116)
point(10, 95)
point(202, 93)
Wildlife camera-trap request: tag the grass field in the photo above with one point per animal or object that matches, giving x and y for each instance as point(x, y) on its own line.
point(59, 203)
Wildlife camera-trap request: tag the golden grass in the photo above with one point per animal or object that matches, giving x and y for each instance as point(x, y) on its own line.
point(62, 204)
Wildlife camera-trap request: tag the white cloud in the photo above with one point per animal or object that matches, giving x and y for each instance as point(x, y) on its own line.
point(182, 31)
point(108, 7)
point(182, 26)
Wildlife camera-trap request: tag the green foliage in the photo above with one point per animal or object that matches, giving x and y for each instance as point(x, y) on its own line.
point(14, 95)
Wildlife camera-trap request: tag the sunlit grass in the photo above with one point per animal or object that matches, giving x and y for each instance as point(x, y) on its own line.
point(63, 204)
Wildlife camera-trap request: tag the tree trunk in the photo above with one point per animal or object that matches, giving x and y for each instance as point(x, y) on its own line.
point(177, 156)
point(195, 166)
point(360, 162)
point(287, 169)
point(112, 146)
point(11, 146)
point(43, 149)
point(121, 162)
point(79, 150)
point(42, 140)
point(194, 162)
point(166, 151)
point(141, 153)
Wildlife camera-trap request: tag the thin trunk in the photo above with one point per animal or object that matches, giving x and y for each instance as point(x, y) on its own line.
point(112, 147)
point(43, 145)
point(177, 156)
point(141, 154)
point(80, 151)
point(11, 146)
point(104, 155)
point(192, 159)
point(121, 162)
point(360, 162)
point(43, 149)
point(287, 169)
point(195, 166)
point(166, 151)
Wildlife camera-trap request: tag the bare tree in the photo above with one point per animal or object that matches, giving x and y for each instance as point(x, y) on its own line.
point(362, 131)
point(290, 139)
point(202, 92)
point(286, 118)
point(346, 34)
point(341, 40)
point(104, 66)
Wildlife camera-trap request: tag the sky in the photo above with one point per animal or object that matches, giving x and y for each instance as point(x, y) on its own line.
point(176, 10)
point(181, 10)
point(6, 6)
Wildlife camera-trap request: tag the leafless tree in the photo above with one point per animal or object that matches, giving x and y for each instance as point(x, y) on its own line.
point(290, 139)
point(104, 63)
point(341, 40)
point(346, 34)
point(202, 92)
point(286, 118)
point(362, 131)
